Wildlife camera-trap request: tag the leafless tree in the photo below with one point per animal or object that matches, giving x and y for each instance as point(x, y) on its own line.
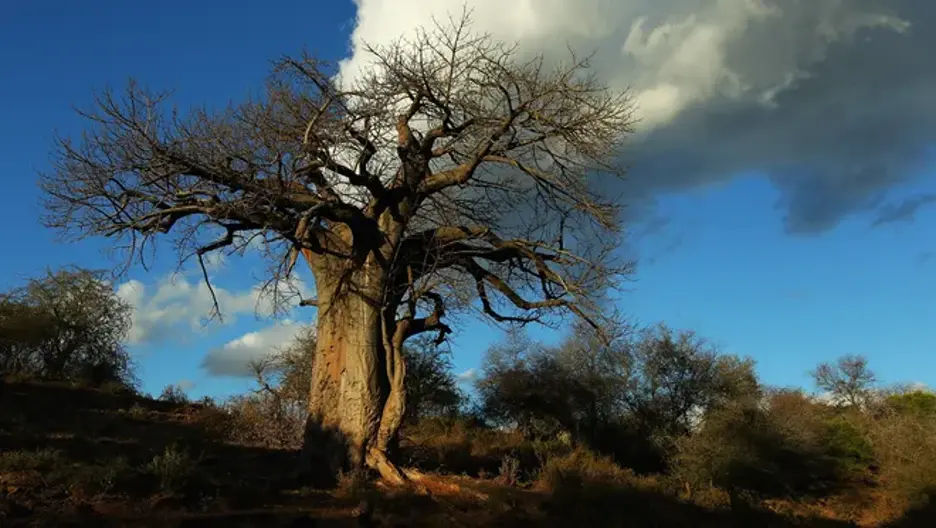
point(451, 166)
point(849, 380)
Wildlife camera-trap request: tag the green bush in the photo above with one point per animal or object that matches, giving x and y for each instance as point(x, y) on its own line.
point(786, 448)
point(66, 325)
point(173, 468)
point(847, 442)
point(22, 460)
point(916, 403)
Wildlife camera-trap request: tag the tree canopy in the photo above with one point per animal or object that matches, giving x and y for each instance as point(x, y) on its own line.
point(67, 324)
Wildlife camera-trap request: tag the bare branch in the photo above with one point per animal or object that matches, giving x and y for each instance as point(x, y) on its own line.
point(451, 173)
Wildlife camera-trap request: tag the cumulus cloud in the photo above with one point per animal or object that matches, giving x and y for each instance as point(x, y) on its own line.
point(179, 303)
point(829, 99)
point(468, 376)
point(234, 358)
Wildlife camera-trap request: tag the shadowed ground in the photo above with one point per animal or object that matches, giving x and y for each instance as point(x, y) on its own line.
point(82, 457)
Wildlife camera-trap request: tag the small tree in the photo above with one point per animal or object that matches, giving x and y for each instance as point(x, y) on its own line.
point(67, 324)
point(274, 414)
point(431, 387)
point(532, 392)
point(676, 377)
point(601, 366)
point(174, 394)
point(632, 395)
point(286, 373)
point(848, 381)
point(449, 167)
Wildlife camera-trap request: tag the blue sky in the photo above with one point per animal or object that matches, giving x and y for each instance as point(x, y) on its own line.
point(739, 243)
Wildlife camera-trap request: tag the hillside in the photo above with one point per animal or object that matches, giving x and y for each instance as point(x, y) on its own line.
point(86, 457)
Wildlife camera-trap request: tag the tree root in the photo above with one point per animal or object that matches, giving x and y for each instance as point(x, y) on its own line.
point(388, 471)
point(391, 474)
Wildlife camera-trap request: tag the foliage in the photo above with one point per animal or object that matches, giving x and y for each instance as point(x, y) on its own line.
point(464, 445)
point(174, 394)
point(431, 387)
point(915, 402)
point(787, 446)
point(904, 440)
point(66, 325)
point(580, 466)
point(524, 385)
point(509, 471)
point(41, 458)
point(787, 453)
point(676, 377)
point(173, 467)
point(630, 396)
point(286, 373)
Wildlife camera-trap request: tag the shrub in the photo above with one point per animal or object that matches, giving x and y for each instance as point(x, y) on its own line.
point(110, 474)
point(174, 394)
point(173, 468)
point(263, 420)
point(94, 478)
point(431, 387)
point(22, 460)
point(905, 449)
point(846, 440)
point(509, 471)
point(629, 397)
point(464, 445)
point(137, 412)
point(581, 467)
point(919, 403)
point(274, 414)
point(785, 448)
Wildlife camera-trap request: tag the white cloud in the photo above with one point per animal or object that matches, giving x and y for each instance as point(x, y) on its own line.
point(233, 359)
point(177, 303)
point(671, 52)
point(185, 384)
point(799, 90)
point(468, 376)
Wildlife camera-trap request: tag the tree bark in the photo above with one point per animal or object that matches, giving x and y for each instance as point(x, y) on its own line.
point(355, 400)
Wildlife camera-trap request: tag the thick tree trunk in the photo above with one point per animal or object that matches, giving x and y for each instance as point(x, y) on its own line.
point(355, 404)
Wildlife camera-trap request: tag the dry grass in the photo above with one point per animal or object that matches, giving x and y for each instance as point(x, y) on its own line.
point(114, 459)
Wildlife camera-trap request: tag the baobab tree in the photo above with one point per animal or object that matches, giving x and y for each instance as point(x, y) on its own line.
point(452, 175)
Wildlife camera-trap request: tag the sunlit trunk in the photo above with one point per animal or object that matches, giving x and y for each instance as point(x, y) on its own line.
point(355, 405)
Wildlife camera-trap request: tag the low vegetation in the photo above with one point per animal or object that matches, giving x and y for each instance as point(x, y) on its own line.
point(653, 427)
